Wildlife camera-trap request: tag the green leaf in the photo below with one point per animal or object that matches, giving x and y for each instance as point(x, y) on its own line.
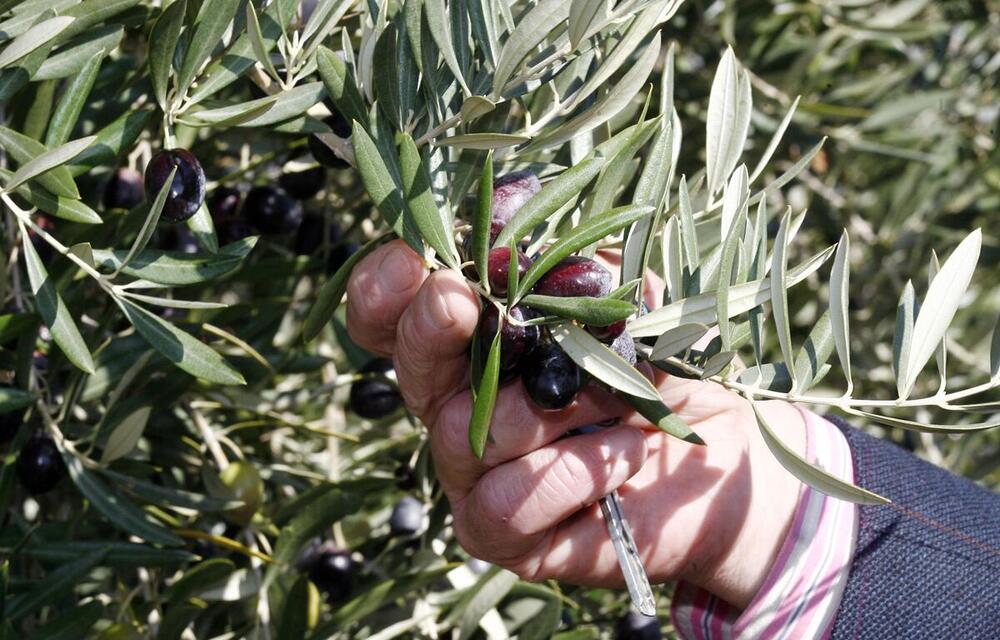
point(717, 363)
point(940, 304)
point(121, 555)
point(65, 208)
point(582, 14)
point(116, 508)
point(23, 150)
point(729, 107)
point(175, 268)
point(535, 25)
point(482, 141)
point(72, 102)
point(553, 196)
point(12, 398)
point(149, 224)
point(371, 601)
point(72, 58)
point(995, 352)
point(779, 292)
point(701, 308)
point(663, 418)
point(181, 348)
point(677, 340)
point(197, 579)
point(615, 100)
point(906, 313)
point(597, 312)
point(921, 427)
point(591, 231)
point(815, 352)
point(114, 140)
point(601, 362)
point(810, 474)
point(126, 435)
point(239, 57)
point(293, 623)
point(840, 277)
point(203, 228)
point(485, 595)
point(162, 43)
point(775, 140)
point(482, 222)
point(260, 47)
point(341, 86)
point(54, 311)
point(332, 292)
point(156, 494)
point(33, 38)
point(485, 400)
point(771, 376)
point(211, 24)
point(48, 160)
point(440, 29)
point(289, 104)
point(233, 114)
point(74, 624)
point(383, 190)
point(475, 107)
point(434, 225)
point(55, 584)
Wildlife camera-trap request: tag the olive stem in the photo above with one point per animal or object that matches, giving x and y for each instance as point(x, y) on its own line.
point(211, 442)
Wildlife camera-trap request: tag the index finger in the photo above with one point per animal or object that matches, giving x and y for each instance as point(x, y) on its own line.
point(381, 287)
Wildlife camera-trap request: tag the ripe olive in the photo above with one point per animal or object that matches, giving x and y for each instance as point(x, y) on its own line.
point(550, 377)
point(303, 185)
point(271, 211)
point(575, 276)
point(333, 572)
point(187, 191)
point(39, 465)
point(498, 265)
point(321, 151)
point(511, 191)
point(373, 398)
point(123, 189)
point(636, 626)
point(407, 517)
point(516, 341)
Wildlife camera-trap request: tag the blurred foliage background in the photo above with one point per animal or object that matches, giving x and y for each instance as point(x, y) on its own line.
point(905, 91)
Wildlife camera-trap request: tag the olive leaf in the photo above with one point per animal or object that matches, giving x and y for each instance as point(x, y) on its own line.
point(211, 23)
point(181, 348)
point(677, 340)
point(598, 312)
point(598, 360)
point(663, 418)
point(729, 107)
point(24, 150)
point(332, 292)
point(162, 42)
point(77, 92)
point(58, 206)
point(811, 474)
point(54, 311)
point(592, 230)
point(149, 224)
point(175, 268)
point(434, 224)
point(485, 399)
point(34, 38)
point(482, 222)
point(56, 584)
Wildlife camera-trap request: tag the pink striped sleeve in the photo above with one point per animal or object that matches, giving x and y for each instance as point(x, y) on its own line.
point(800, 596)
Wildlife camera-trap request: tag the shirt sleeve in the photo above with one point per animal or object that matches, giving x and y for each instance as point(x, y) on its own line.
point(801, 594)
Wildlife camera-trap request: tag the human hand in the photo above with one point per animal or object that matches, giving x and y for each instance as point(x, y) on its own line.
point(713, 515)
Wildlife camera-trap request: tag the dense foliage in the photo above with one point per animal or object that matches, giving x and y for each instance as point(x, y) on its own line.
point(192, 446)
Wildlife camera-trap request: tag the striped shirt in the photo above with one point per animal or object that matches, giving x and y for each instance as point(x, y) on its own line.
point(801, 594)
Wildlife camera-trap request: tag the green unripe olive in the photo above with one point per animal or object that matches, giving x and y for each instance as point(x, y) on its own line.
point(243, 483)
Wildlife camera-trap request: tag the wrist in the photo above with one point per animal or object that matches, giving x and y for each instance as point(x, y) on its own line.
point(759, 510)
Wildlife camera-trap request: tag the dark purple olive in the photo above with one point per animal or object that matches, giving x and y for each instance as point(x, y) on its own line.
point(636, 626)
point(187, 191)
point(333, 573)
point(624, 346)
point(303, 185)
point(607, 333)
point(407, 517)
point(575, 276)
point(321, 151)
point(511, 191)
point(374, 398)
point(10, 422)
point(123, 189)
point(550, 377)
point(39, 465)
point(340, 253)
point(224, 204)
point(515, 341)
point(270, 211)
point(498, 265)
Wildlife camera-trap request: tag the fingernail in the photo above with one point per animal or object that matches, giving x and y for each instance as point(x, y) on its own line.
point(395, 272)
point(436, 313)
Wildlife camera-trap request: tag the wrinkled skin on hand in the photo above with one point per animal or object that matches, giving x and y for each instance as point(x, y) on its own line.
point(713, 515)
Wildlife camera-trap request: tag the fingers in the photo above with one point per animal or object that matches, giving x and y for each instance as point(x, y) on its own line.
point(512, 507)
point(381, 287)
point(432, 339)
point(518, 427)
